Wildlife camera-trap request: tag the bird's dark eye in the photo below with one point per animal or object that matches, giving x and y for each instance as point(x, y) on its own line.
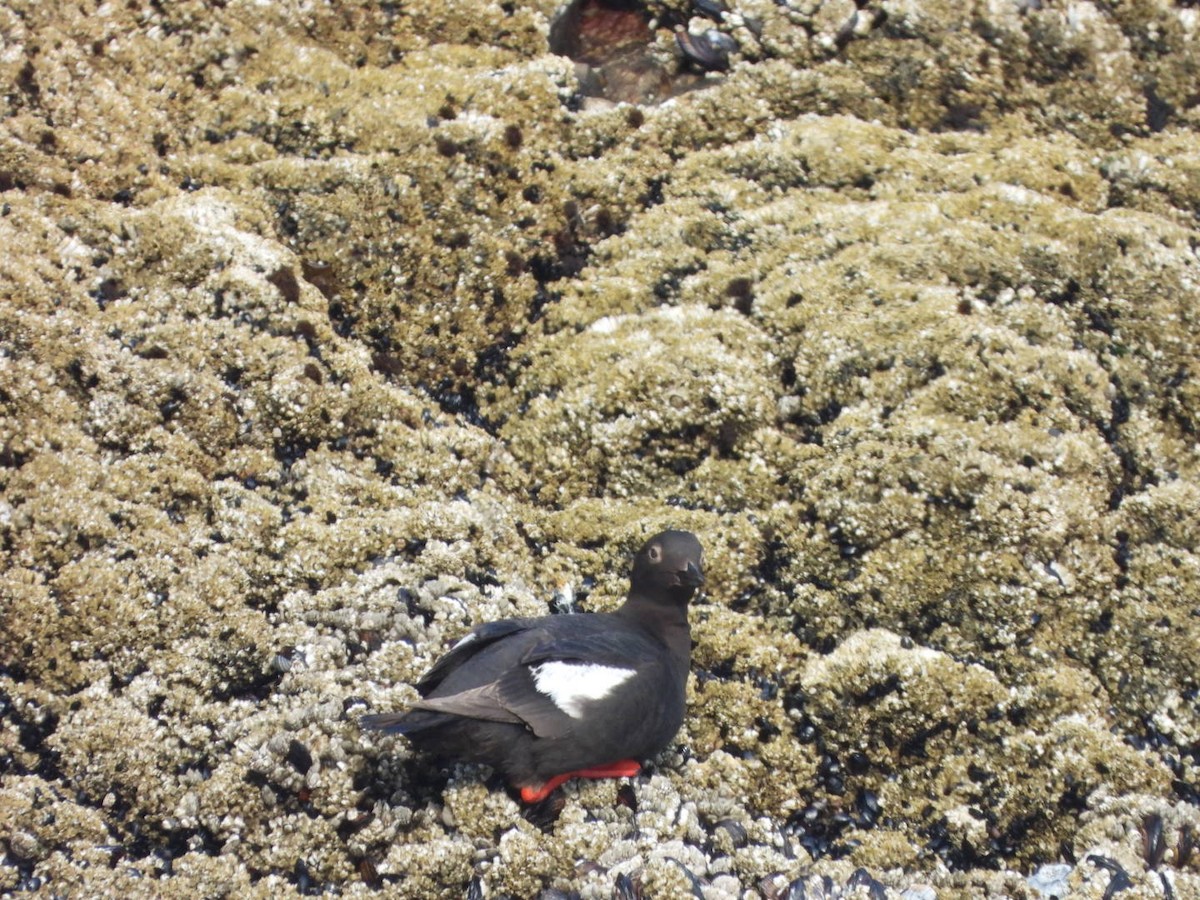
point(655, 553)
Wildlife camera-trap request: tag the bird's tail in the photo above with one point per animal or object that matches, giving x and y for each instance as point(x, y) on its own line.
point(407, 722)
point(393, 722)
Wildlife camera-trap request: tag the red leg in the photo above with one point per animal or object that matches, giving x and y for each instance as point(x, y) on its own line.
point(623, 768)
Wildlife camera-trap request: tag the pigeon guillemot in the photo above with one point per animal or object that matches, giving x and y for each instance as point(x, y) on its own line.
point(546, 699)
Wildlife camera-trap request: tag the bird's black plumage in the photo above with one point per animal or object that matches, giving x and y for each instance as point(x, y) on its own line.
point(541, 697)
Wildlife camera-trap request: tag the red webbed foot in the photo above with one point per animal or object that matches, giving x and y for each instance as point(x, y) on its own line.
point(623, 768)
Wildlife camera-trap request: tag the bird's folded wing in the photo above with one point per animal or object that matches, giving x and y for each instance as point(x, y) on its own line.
point(477, 703)
point(476, 640)
point(550, 689)
point(617, 650)
point(512, 698)
point(559, 679)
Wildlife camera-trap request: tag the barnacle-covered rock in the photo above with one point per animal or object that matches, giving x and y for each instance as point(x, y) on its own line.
point(329, 332)
point(635, 401)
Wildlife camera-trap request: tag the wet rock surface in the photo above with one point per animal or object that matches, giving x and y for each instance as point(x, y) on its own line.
point(331, 331)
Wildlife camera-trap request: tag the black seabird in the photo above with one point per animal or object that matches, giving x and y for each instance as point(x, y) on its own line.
point(546, 699)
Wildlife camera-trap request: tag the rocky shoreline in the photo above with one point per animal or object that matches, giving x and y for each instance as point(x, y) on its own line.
point(332, 330)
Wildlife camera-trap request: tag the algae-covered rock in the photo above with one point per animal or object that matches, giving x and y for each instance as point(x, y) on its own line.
point(635, 402)
point(927, 728)
point(329, 332)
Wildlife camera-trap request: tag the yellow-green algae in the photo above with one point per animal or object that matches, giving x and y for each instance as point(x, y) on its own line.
point(331, 331)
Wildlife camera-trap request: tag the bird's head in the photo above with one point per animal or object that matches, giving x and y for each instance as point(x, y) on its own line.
point(669, 564)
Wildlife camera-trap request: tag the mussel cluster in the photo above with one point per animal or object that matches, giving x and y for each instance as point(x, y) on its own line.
point(623, 53)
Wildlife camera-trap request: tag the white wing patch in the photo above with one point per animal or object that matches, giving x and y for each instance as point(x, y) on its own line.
point(462, 642)
point(570, 685)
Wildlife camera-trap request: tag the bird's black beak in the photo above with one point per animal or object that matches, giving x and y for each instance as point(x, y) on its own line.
point(691, 576)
